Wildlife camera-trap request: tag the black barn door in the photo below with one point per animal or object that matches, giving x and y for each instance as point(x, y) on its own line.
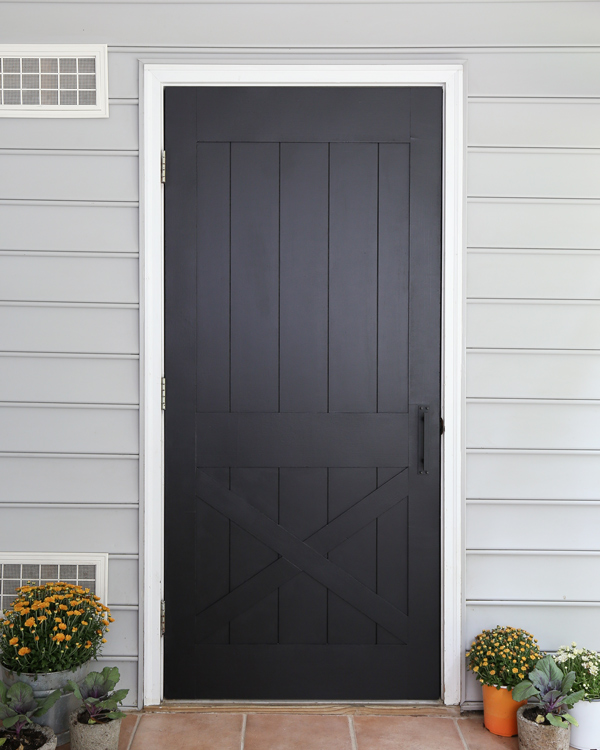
point(302, 359)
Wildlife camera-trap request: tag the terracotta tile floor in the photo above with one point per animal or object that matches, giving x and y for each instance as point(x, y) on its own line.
point(261, 731)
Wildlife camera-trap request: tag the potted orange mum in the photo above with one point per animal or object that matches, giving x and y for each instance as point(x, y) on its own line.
point(500, 659)
point(49, 636)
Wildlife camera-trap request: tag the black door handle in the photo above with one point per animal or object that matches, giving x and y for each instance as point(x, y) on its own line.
point(423, 439)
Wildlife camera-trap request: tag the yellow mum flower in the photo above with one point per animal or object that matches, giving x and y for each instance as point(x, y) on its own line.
point(62, 626)
point(24, 651)
point(13, 641)
point(68, 637)
point(59, 637)
point(41, 618)
point(475, 669)
point(63, 606)
point(492, 671)
point(515, 670)
point(30, 623)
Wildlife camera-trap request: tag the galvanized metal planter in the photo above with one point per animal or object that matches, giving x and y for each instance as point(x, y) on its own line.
point(94, 736)
point(45, 683)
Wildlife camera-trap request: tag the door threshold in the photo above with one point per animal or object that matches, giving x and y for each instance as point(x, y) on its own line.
point(375, 708)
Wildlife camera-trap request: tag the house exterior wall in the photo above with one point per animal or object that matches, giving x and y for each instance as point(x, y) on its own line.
point(69, 299)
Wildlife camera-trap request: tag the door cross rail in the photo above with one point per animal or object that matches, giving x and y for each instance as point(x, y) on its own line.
point(299, 555)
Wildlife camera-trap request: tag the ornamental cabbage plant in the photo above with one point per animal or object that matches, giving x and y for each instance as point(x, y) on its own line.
point(94, 692)
point(553, 690)
point(52, 628)
point(18, 706)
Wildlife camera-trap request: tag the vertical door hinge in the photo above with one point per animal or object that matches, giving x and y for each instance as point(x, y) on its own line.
point(162, 617)
point(163, 166)
point(442, 426)
point(163, 393)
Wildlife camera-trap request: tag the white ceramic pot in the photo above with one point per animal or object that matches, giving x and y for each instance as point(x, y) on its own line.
point(587, 735)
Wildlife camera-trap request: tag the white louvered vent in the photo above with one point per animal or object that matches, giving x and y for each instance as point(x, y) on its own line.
point(53, 81)
point(18, 569)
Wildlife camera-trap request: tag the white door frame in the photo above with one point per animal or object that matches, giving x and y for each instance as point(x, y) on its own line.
point(155, 77)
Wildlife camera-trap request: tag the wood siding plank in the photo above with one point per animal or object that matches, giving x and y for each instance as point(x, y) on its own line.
point(86, 330)
point(537, 325)
point(102, 177)
point(529, 224)
point(68, 479)
point(69, 379)
point(557, 576)
point(28, 528)
point(68, 279)
point(540, 525)
point(69, 227)
point(56, 429)
point(123, 581)
point(119, 131)
point(521, 374)
point(313, 25)
point(562, 123)
point(514, 475)
point(533, 275)
point(540, 174)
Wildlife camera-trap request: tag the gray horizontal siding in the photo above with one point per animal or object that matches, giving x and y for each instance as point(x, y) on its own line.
point(119, 131)
point(79, 528)
point(531, 315)
point(29, 327)
point(72, 478)
point(31, 225)
point(88, 176)
point(300, 25)
point(99, 379)
point(69, 277)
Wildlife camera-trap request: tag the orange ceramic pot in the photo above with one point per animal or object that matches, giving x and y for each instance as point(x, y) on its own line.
point(500, 711)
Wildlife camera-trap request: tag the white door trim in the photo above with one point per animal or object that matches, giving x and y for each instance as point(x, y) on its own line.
point(155, 77)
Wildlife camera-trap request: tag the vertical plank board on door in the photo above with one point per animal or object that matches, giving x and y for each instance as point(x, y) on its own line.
point(303, 511)
point(212, 544)
point(213, 267)
point(248, 556)
point(356, 555)
point(255, 277)
point(392, 554)
point(303, 282)
point(393, 259)
point(353, 277)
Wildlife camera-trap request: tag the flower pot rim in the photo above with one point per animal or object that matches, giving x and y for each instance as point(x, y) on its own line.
point(81, 709)
point(542, 727)
point(33, 674)
point(50, 736)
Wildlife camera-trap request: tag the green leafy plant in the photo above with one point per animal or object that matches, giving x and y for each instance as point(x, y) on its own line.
point(553, 690)
point(585, 664)
point(52, 628)
point(502, 657)
point(18, 706)
point(95, 693)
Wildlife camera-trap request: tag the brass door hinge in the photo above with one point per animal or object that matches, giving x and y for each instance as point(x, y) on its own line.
point(163, 166)
point(162, 617)
point(163, 393)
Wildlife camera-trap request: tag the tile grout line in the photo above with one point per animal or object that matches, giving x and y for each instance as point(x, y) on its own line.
point(352, 732)
point(243, 740)
point(135, 728)
point(460, 734)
